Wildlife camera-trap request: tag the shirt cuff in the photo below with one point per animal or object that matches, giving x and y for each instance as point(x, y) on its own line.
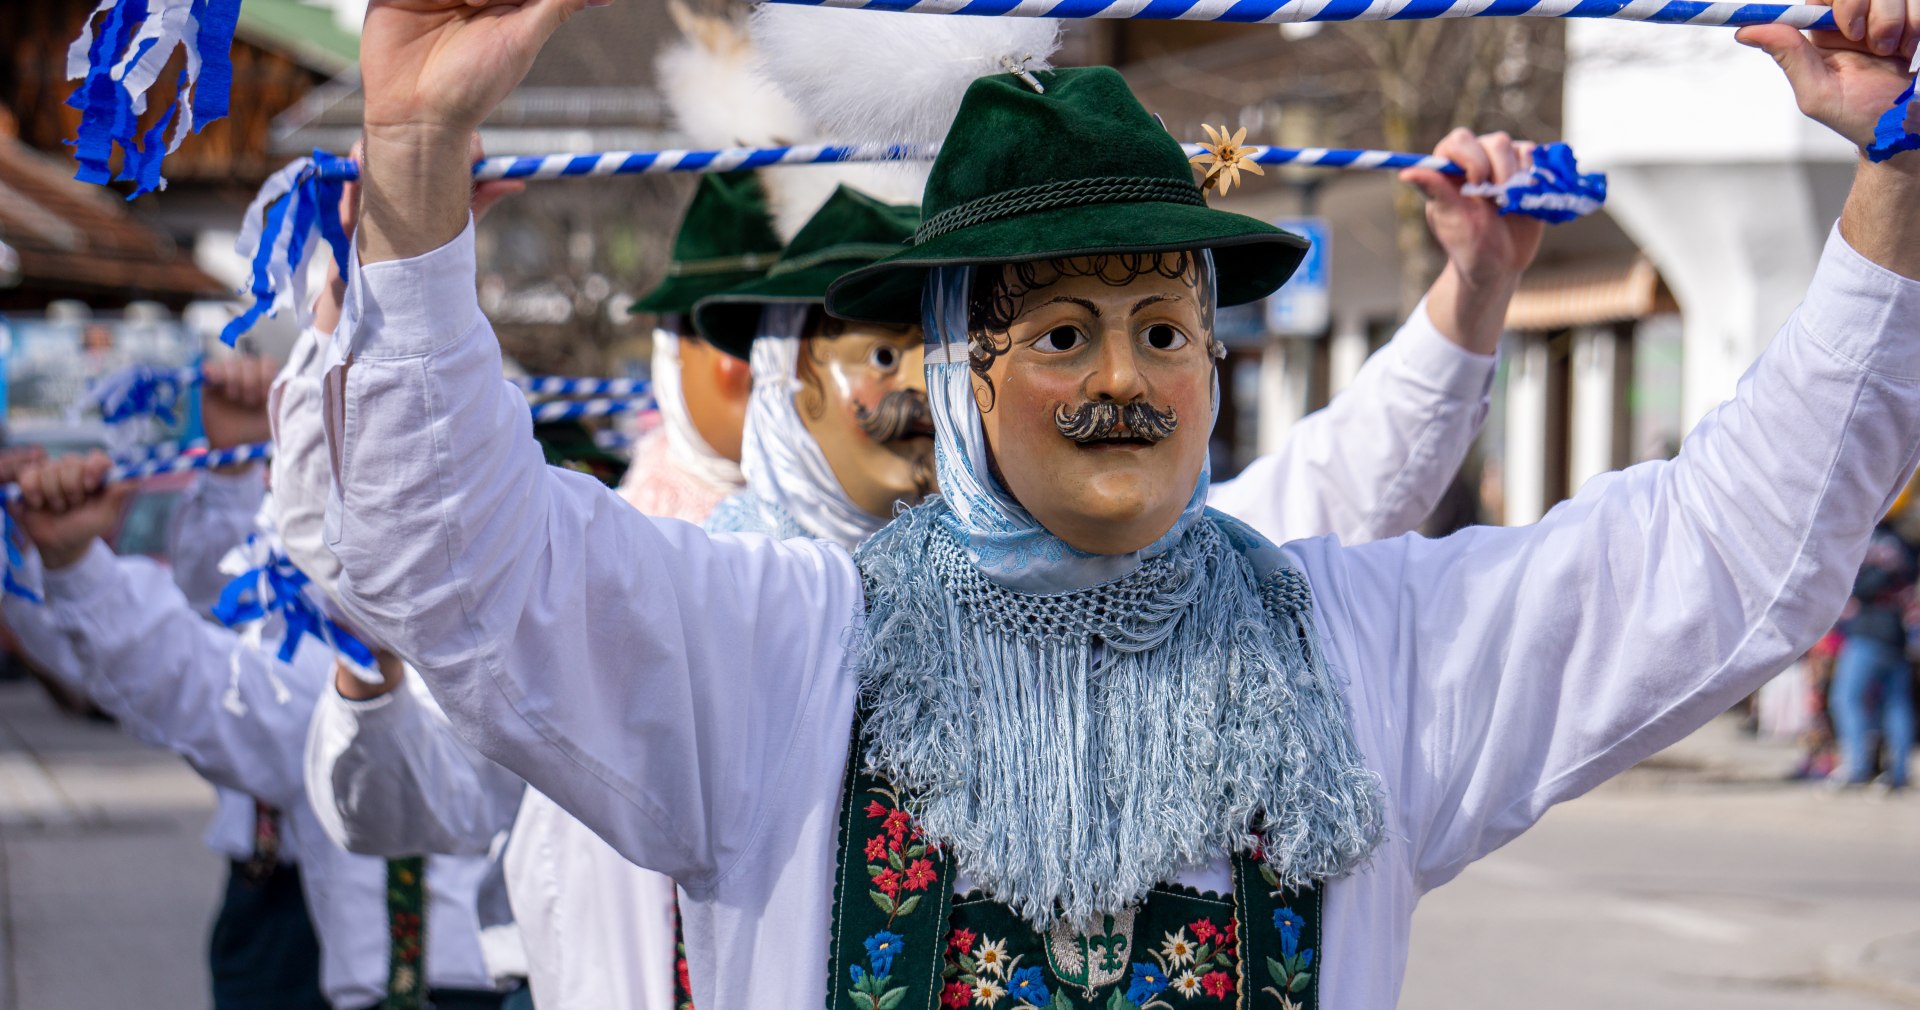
point(1437, 362)
point(1864, 312)
point(82, 580)
point(411, 307)
point(387, 709)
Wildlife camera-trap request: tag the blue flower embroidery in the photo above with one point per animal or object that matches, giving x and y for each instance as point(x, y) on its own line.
point(881, 948)
point(1289, 923)
point(859, 973)
point(1148, 982)
point(1029, 985)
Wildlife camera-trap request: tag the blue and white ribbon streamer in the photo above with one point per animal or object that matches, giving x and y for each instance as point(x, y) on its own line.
point(123, 49)
point(575, 410)
point(299, 203)
point(1553, 189)
point(141, 391)
point(137, 468)
point(10, 581)
point(1672, 12)
point(274, 586)
point(567, 385)
point(1893, 132)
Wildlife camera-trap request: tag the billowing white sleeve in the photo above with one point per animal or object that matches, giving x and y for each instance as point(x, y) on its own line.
point(301, 479)
point(235, 711)
point(1375, 461)
point(216, 512)
point(388, 777)
point(649, 678)
point(1502, 670)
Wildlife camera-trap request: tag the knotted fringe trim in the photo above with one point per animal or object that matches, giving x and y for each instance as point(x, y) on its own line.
point(1073, 750)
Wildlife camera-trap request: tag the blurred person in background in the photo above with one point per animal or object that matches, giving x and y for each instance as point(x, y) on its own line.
point(1872, 664)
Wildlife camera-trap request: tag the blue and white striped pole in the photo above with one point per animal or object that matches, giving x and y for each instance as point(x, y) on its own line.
point(580, 166)
point(564, 385)
point(576, 410)
point(1671, 12)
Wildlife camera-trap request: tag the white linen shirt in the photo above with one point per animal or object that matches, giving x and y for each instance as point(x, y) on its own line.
point(178, 681)
point(687, 696)
point(389, 775)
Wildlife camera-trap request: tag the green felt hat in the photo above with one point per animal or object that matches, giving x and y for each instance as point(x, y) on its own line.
point(569, 444)
point(1080, 170)
point(849, 231)
point(726, 239)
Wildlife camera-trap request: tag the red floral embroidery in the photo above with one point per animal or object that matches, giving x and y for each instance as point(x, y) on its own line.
point(888, 882)
point(877, 809)
point(897, 824)
point(1204, 930)
point(961, 940)
point(1217, 984)
point(877, 849)
point(955, 995)
point(1230, 934)
point(920, 875)
point(680, 967)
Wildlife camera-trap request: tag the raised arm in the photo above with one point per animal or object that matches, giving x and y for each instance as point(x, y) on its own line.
point(388, 777)
point(1376, 460)
point(644, 676)
point(231, 708)
point(1510, 669)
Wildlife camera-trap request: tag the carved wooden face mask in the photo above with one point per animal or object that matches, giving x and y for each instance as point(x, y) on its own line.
point(1094, 379)
point(863, 397)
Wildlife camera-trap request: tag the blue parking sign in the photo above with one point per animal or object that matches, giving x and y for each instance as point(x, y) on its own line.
point(1303, 306)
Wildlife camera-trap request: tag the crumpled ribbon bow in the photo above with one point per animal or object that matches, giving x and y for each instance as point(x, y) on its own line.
point(275, 586)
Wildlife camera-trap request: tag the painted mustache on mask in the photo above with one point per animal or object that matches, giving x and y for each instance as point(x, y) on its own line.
point(901, 414)
point(1099, 421)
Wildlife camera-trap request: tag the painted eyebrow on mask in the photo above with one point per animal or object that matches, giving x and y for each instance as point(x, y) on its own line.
point(1141, 305)
point(1070, 300)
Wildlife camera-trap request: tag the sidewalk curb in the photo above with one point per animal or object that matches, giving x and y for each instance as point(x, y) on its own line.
point(1889, 966)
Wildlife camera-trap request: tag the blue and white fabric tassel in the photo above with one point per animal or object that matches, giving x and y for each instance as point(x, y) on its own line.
point(578, 410)
point(140, 404)
point(14, 582)
point(123, 49)
point(1553, 189)
point(1893, 133)
point(298, 203)
point(268, 586)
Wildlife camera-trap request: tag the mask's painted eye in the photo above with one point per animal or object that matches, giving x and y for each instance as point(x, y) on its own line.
point(885, 357)
point(1162, 337)
point(1060, 338)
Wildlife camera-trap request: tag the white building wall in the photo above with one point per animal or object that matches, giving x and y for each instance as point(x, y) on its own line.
point(1716, 175)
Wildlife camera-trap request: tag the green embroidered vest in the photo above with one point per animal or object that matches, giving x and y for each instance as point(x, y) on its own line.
point(901, 939)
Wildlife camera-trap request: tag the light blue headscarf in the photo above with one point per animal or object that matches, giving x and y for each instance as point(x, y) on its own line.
point(1005, 541)
point(791, 490)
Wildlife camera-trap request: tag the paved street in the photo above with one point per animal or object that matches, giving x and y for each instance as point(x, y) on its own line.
point(1696, 882)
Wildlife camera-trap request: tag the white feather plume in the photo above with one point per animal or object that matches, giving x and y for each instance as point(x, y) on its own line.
point(886, 77)
point(881, 77)
point(715, 91)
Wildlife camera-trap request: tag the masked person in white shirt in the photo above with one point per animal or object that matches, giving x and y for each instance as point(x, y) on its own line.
point(385, 770)
point(239, 714)
point(1284, 746)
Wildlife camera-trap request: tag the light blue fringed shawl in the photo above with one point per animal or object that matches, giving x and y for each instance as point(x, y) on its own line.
point(1077, 728)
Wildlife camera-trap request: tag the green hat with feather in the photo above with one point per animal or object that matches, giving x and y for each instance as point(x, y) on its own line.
point(1076, 169)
